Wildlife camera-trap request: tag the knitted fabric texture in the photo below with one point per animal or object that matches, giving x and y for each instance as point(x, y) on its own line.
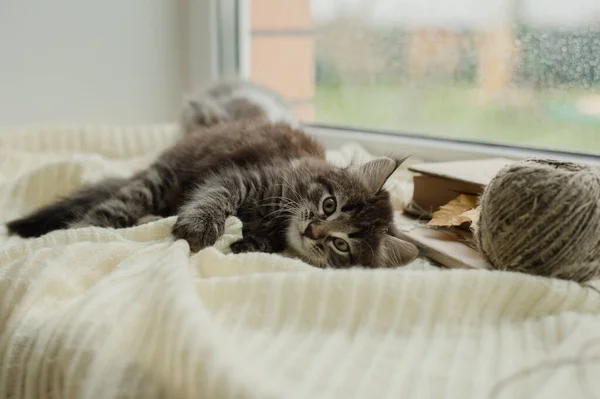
point(100, 313)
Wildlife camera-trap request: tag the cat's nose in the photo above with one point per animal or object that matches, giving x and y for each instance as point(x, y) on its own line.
point(308, 232)
point(313, 232)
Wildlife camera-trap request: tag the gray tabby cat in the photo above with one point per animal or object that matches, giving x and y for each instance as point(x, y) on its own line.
point(237, 158)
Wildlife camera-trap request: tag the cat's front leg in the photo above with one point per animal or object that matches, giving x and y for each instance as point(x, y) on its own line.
point(202, 219)
point(199, 228)
point(203, 113)
point(252, 243)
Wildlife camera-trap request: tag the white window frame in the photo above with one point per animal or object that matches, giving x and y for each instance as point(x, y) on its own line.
point(214, 34)
point(198, 35)
point(434, 148)
point(234, 31)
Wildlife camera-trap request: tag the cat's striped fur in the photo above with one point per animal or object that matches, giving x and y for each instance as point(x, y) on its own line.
point(270, 175)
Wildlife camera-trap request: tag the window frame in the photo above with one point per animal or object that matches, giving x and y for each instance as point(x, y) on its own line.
point(198, 32)
point(434, 148)
point(214, 41)
point(215, 34)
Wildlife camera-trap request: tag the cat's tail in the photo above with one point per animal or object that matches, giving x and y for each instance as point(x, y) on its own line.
point(62, 213)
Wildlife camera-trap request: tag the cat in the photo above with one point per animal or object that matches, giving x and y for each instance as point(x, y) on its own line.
point(269, 174)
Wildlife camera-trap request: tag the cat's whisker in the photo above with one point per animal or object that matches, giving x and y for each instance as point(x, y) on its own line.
point(280, 198)
point(282, 213)
point(288, 185)
point(278, 206)
point(276, 217)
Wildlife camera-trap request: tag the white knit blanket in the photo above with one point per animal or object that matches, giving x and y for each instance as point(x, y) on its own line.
point(100, 313)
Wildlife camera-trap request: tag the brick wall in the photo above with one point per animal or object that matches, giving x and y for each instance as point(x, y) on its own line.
point(282, 51)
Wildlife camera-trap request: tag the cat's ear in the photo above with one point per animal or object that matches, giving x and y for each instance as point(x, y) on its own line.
point(375, 172)
point(395, 252)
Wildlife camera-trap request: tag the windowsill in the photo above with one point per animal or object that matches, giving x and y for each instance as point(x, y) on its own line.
point(433, 148)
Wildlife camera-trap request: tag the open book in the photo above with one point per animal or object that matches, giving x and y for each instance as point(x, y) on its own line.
point(436, 184)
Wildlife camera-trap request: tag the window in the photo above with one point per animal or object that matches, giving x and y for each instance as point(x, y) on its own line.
point(523, 73)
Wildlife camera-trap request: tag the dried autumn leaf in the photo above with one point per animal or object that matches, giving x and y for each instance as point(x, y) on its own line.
point(472, 215)
point(459, 211)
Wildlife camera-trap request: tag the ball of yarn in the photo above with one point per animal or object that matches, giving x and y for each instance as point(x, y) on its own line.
point(542, 217)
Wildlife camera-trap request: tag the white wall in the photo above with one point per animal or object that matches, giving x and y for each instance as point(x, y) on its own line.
point(104, 62)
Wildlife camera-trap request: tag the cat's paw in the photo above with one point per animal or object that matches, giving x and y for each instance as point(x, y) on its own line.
point(203, 113)
point(242, 246)
point(250, 244)
point(200, 231)
point(211, 116)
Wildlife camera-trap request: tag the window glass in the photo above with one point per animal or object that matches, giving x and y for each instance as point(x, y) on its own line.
point(504, 71)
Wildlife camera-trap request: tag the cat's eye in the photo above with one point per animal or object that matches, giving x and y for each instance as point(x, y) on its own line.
point(329, 205)
point(341, 245)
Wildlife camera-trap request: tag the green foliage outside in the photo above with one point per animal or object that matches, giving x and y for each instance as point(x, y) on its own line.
point(451, 112)
point(555, 70)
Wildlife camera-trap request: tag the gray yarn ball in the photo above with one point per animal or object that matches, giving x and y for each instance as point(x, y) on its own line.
point(542, 217)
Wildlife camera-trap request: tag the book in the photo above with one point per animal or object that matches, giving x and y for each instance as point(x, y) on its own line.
point(436, 184)
point(445, 247)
